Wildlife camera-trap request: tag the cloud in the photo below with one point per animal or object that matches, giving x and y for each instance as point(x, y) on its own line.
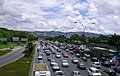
point(60, 15)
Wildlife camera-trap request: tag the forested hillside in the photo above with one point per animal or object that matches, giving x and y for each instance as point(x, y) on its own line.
point(9, 34)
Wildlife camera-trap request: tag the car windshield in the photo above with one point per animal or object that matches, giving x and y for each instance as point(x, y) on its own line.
point(95, 71)
point(76, 73)
point(64, 61)
point(82, 65)
point(97, 63)
point(60, 73)
point(56, 65)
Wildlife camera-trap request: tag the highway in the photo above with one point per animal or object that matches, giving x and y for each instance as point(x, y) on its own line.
point(72, 67)
point(12, 56)
point(67, 70)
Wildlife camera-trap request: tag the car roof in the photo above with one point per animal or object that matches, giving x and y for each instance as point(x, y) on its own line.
point(64, 60)
point(93, 68)
point(59, 71)
point(95, 62)
point(81, 63)
point(75, 71)
point(109, 69)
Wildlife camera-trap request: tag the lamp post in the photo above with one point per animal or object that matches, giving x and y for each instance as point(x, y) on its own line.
point(84, 28)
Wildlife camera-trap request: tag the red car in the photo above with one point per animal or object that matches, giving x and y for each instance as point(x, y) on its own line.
point(65, 55)
point(76, 50)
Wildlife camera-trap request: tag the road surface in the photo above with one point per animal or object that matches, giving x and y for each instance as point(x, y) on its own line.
point(12, 56)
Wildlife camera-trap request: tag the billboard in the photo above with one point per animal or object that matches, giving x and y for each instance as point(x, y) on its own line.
point(15, 38)
point(3, 39)
point(24, 39)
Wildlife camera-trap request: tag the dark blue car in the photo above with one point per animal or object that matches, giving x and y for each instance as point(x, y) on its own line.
point(110, 71)
point(117, 69)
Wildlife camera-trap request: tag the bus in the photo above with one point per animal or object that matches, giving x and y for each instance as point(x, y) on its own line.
point(114, 53)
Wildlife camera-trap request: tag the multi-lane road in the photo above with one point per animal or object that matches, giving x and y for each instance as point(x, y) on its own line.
point(67, 70)
point(12, 56)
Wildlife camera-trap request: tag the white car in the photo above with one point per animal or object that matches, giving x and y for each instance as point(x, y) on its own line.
point(74, 60)
point(96, 64)
point(55, 67)
point(87, 55)
point(58, 55)
point(52, 62)
point(92, 71)
point(40, 57)
point(59, 73)
point(65, 63)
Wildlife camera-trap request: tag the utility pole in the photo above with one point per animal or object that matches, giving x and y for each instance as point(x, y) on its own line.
point(83, 35)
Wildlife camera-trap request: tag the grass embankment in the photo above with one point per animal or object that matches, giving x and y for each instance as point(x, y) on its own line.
point(19, 68)
point(4, 52)
point(8, 44)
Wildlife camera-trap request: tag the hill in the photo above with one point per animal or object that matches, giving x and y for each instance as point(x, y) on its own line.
point(57, 33)
point(9, 34)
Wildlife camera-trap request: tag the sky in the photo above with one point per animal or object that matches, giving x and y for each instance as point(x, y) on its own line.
point(95, 16)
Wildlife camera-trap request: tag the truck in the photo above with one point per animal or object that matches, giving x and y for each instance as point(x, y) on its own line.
point(41, 70)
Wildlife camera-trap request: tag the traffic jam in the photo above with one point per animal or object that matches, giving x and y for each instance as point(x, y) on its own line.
point(59, 59)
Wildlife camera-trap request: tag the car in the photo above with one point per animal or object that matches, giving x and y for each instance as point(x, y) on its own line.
point(52, 62)
point(116, 69)
point(81, 66)
point(55, 67)
point(113, 62)
point(67, 50)
point(48, 53)
point(65, 55)
point(49, 58)
point(74, 60)
point(87, 55)
point(58, 50)
point(11, 47)
point(76, 73)
point(110, 72)
point(96, 64)
point(103, 59)
point(92, 71)
point(65, 63)
point(59, 73)
point(77, 55)
point(71, 52)
point(40, 57)
point(94, 59)
point(58, 55)
point(106, 63)
point(84, 59)
point(53, 52)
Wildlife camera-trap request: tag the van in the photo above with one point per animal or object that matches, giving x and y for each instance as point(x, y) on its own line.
point(92, 71)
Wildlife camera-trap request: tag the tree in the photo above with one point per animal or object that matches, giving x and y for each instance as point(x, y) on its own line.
point(114, 40)
point(29, 49)
point(74, 37)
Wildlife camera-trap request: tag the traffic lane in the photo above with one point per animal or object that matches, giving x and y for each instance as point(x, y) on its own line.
point(88, 64)
point(12, 57)
point(72, 65)
point(12, 52)
point(71, 68)
point(66, 70)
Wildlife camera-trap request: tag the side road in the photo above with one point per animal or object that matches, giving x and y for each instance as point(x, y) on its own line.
point(12, 56)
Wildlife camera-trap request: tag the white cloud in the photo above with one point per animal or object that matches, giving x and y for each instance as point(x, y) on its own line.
point(60, 15)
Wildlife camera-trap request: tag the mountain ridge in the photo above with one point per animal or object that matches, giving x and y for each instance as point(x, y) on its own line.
point(68, 34)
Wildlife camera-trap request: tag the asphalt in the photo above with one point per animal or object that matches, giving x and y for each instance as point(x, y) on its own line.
point(12, 56)
point(72, 67)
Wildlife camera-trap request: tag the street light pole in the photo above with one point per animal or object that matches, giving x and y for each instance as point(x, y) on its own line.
point(84, 28)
